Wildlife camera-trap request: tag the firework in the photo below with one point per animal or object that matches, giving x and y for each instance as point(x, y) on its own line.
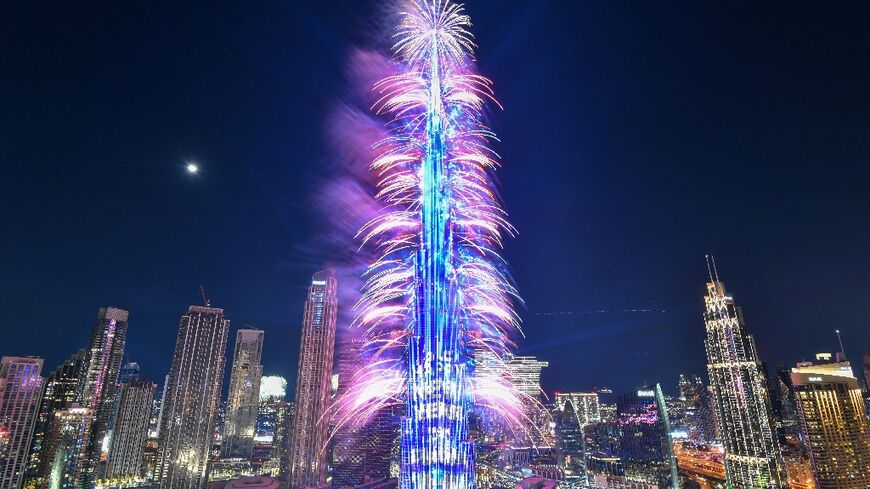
point(439, 291)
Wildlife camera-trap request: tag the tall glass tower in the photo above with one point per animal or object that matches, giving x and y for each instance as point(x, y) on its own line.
point(190, 403)
point(834, 424)
point(20, 390)
point(752, 455)
point(313, 382)
point(100, 385)
point(243, 397)
point(130, 430)
point(61, 392)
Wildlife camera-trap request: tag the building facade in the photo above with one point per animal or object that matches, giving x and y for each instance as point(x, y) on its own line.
point(61, 392)
point(313, 383)
point(20, 392)
point(525, 373)
point(585, 406)
point(835, 427)
point(192, 399)
point(66, 444)
point(363, 454)
point(752, 454)
point(130, 431)
point(243, 395)
point(99, 386)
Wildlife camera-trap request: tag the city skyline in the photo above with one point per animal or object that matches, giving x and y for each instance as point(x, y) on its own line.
point(636, 249)
point(457, 244)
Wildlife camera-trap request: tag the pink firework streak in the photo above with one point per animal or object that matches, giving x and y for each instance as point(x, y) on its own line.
point(407, 100)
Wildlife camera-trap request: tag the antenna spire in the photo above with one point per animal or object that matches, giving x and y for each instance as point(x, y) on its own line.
point(713, 272)
point(840, 339)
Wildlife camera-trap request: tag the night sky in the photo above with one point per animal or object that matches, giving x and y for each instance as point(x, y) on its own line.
point(636, 137)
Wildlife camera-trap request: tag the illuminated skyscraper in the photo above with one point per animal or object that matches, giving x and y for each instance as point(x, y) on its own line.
point(525, 373)
point(752, 456)
point(20, 390)
point(569, 439)
point(361, 454)
point(835, 426)
point(100, 384)
point(131, 429)
point(243, 395)
point(61, 391)
point(348, 450)
point(313, 383)
point(192, 398)
point(66, 444)
point(584, 406)
point(272, 424)
point(128, 372)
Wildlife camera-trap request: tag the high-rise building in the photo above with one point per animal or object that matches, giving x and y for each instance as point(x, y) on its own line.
point(752, 456)
point(192, 399)
point(309, 432)
point(20, 391)
point(361, 454)
point(643, 449)
point(272, 425)
point(65, 447)
point(686, 417)
point(585, 406)
point(128, 372)
point(525, 373)
point(100, 385)
point(243, 395)
point(574, 411)
point(836, 429)
point(569, 442)
point(61, 392)
point(634, 450)
point(348, 445)
point(130, 431)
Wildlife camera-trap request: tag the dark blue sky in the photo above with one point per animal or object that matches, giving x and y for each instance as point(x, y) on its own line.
point(637, 136)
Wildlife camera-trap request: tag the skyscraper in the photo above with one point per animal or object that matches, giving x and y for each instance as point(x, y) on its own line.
point(192, 399)
point(584, 406)
point(835, 427)
point(525, 373)
point(243, 395)
point(569, 439)
point(61, 391)
point(752, 456)
point(348, 445)
point(20, 390)
point(66, 445)
point(128, 372)
point(309, 432)
point(688, 418)
point(100, 384)
point(361, 454)
point(131, 429)
point(643, 447)
point(272, 424)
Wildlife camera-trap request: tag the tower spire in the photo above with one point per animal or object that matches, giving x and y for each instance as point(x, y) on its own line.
point(842, 354)
point(713, 272)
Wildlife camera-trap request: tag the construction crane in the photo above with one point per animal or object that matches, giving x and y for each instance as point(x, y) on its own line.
point(205, 300)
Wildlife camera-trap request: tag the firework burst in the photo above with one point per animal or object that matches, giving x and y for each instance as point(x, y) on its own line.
point(439, 295)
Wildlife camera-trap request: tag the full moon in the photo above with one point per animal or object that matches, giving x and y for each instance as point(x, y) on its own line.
point(191, 168)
